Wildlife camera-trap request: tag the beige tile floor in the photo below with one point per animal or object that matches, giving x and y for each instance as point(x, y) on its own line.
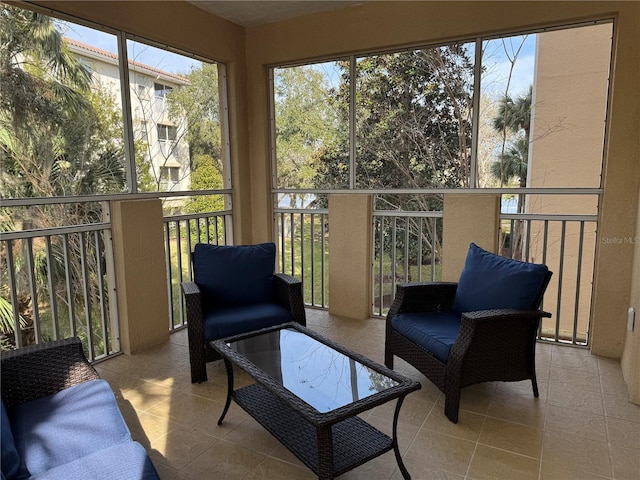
point(581, 428)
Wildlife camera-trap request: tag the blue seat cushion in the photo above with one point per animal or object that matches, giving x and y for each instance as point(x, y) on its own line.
point(434, 332)
point(234, 274)
point(489, 281)
point(10, 458)
point(67, 425)
point(225, 322)
point(125, 461)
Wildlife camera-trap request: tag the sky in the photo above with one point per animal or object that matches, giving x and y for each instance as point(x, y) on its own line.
point(496, 57)
point(140, 52)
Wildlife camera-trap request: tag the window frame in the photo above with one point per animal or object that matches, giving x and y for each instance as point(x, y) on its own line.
point(473, 166)
point(128, 125)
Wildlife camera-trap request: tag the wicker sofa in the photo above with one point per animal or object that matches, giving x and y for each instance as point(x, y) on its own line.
point(60, 420)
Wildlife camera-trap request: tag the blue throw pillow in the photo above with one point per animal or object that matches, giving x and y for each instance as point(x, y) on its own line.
point(489, 281)
point(10, 458)
point(231, 275)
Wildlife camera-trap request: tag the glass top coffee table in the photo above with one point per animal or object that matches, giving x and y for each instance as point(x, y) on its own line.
point(308, 392)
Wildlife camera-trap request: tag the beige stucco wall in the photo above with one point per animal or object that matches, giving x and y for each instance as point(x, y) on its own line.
point(630, 361)
point(141, 273)
point(467, 218)
point(567, 136)
point(350, 266)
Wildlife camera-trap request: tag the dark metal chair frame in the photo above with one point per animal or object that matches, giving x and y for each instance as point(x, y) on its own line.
point(287, 293)
point(493, 345)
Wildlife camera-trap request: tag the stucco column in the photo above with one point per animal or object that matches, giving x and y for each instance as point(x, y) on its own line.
point(350, 228)
point(467, 218)
point(141, 273)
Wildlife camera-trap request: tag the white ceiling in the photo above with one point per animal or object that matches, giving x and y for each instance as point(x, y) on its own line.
point(252, 13)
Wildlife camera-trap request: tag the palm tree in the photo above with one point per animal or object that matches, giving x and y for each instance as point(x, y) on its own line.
point(514, 117)
point(41, 79)
point(56, 139)
point(513, 162)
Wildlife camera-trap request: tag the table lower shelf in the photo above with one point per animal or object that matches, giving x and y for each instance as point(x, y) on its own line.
point(354, 441)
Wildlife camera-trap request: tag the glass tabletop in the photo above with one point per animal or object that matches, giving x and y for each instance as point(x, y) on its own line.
point(321, 376)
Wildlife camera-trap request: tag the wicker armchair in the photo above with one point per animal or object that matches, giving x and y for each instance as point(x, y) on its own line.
point(216, 301)
point(464, 348)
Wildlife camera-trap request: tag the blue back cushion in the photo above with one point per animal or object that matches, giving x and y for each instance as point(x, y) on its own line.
point(10, 458)
point(231, 275)
point(67, 425)
point(489, 281)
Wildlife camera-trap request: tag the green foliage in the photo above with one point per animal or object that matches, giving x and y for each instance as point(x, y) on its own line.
point(513, 120)
point(413, 127)
point(306, 121)
point(59, 136)
point(198, 104)
point(205, 176)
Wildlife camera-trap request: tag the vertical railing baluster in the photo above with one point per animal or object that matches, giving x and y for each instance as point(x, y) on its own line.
point(86, 290)
point(167, 248)
point(393, 250)
point(189, 251)
point(179, 275)
point(13, 291)
point(280, 218)
point(527, 251)
point(313, 257)
point(514, 238)
point(545, 243)
point(302, 275)
point(33, 290)
point(406, 249)
point(51, 284)
point(381, 268)
point(560, 275)
point(578, 276)
point(323, 248)
point(102, 306)
point(419, 259)
point(292, 244)
point(434, 236)
point(69, 283)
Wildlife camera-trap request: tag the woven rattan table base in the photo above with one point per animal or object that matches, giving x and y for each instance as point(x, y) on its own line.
point(329, 443)
point(354, 441)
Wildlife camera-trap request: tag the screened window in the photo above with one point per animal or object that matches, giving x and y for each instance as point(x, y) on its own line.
point(412, 119)
point(170, 174)
point(162, 91)
point(68, 123)
point(167, 132)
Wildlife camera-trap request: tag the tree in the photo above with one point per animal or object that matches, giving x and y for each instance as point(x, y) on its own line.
point(307, 121)
point(514, 117)
point(198, 104)
point(413, 129)
point(57, 138)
